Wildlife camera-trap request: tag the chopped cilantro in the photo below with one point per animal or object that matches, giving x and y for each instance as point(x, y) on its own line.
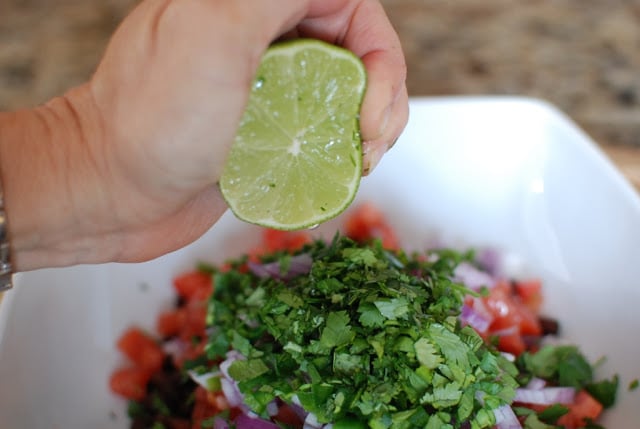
point(552, 413)
point(366, 336)
point(604, 391)
point(136, 410)
point(372, 338)
point(563, 365)
point(633, 385)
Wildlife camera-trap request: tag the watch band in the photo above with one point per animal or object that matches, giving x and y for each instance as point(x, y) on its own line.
point(6, 270)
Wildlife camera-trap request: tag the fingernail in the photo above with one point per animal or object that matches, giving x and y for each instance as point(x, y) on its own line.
point(372, 157)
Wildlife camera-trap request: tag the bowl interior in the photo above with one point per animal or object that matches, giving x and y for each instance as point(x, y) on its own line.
point(514, 174)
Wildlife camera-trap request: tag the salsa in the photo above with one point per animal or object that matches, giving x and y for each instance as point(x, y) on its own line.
point(354, 333)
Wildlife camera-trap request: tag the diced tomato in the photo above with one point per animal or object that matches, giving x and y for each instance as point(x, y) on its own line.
point(529, 321)
point(143, 350)
point(367, 222)
point(209, 404)
point(195, 324)
point(171, 322)
point(508, 312)
point(130, 383)
point(530, 293)
point(193, 285)
point(584, 408)
point(512, 343)
point(500, 305)
point(203, 409)
point(275, 240)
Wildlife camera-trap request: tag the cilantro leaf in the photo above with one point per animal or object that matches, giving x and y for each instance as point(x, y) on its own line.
point(337, 331)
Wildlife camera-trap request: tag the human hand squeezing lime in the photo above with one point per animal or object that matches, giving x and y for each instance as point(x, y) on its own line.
point(133, 160)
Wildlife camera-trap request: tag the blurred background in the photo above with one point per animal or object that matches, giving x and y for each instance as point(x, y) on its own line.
point(581, 55)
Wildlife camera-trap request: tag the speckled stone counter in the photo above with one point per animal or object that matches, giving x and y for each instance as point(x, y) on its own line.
point(581, 55)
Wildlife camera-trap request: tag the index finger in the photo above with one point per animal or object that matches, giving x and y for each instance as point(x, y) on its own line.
point(363, 27)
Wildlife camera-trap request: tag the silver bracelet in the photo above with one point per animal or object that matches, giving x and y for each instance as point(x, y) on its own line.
point(6, 270)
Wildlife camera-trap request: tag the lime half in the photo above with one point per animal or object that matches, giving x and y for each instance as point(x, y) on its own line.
point(297, 157)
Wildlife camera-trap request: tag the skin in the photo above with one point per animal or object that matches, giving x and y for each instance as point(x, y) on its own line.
point(124, 167)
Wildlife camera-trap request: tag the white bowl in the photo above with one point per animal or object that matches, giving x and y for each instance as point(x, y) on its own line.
point(510, 173)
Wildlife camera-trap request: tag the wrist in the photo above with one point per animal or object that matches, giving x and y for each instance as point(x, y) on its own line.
point(46, 172)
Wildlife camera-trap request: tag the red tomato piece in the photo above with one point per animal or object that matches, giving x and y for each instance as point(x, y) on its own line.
point(193, 285)
point(171, 322)
point(195, 321)
point(508, 311)
point(501, 306)
point(584, 408)
point(529, 321)
point(367, 222)
point(530, 293)
point(275, 240)
point(511, 343)
point(203, 409)
point(143, 350)
point(130, 383)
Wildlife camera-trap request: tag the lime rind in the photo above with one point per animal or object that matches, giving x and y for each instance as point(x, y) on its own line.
point(297, 157)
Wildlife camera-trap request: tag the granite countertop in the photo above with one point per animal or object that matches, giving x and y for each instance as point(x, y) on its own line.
point(581, 55)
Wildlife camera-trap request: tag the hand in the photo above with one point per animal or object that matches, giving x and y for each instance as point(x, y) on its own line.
point(152, 129)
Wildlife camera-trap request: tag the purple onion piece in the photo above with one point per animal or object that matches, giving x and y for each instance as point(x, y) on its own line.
point(506, 418)
point(490, 260)
point(263, 270)
point(219, 423)
point(244, 421)
point(536, 383)
point(311, 422)
point(478, 321)
point(203, 379)
point(228, 385)
point(546, 395)
point(472, 277)
point(298, 265)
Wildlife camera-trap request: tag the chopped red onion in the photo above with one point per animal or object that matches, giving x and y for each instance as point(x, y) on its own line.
point(273, 408)
point(264, 271)
point(506, 418)
point(243, 421)
point(472, 277)
point(508, 356)
point(203, 379)
point(220, 423)
point(231, 357)
point(311, 422)
point(546, 395)
point(536, 383)
point(228, 385)
point(478, 321)
point(298, 265)
point(231, 392)
point(490, 260)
